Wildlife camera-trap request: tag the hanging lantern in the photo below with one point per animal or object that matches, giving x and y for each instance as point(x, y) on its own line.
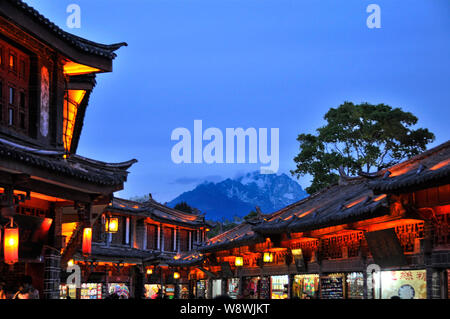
point(239, 261)
point(268, 257)
point(149, 271)
point(87, 241)
point(176, 275)
point(111, 224)
point(11, 244)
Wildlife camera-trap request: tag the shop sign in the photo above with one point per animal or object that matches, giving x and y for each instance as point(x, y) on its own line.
point(406, 284)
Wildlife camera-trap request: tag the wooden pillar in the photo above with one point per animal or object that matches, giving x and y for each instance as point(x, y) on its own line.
point(428, 248)
point(52, 256)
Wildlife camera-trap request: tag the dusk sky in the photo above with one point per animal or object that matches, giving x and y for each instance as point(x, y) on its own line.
point(250, 63)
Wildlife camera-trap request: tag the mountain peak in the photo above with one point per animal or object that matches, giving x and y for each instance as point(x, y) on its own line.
point(239, 196)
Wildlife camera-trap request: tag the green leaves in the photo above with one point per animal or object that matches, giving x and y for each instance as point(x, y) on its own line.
point(361, 137)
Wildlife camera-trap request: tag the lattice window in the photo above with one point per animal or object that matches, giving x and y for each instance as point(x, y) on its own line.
point(72, 100)
point(307, 247)
point(407, 234)
point(441, 230)
point(31, 211)
point(332, 247)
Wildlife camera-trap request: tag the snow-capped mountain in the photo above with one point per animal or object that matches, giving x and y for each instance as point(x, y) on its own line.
point(239, 196)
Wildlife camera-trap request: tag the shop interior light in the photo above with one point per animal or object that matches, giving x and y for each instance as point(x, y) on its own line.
point(176, 275)
point(70, 263)
point(149, 271)
point(239, 261)
point(268, 257)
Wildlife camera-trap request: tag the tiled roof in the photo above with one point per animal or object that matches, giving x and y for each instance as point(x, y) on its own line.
point(429, 168)
point(157, 212)
point(76, 166)
point(186, 259)
point(99, 252)
point(80, 43)
point(240, 235)
point(338, 204)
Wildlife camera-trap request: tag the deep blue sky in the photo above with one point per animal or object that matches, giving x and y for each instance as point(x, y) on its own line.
point(250, 63)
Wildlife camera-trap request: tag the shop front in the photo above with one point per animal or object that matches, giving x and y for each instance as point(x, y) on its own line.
point(305, 286)
point(256, 287)
point(121, 290)
point(355, 285)
point(279, 286)
point(183, 291)
point(67, 291)
point(233, 287)
point(91, 291)
point(332, 286)
point(216, 289)
point(404, 284)
point(169, 291)
point(201, 291)
point(152, 291)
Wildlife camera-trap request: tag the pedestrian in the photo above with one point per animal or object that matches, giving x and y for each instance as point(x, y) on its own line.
point(26, 290)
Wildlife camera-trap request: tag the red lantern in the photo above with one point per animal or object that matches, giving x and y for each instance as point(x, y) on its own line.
point(11, 244)
point(87, 240)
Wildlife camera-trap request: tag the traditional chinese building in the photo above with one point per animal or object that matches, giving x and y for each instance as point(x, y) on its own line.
point(135, 250)
point(373, 236)
point(46, 78)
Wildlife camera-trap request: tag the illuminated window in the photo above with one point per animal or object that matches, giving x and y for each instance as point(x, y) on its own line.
point(72, 101)
point(12, 62)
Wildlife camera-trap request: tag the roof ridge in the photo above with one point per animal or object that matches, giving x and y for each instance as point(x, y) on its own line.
point(419, 157)
point(69, 37)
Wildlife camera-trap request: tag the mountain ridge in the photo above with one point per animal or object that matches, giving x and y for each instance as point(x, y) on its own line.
point(237, 197)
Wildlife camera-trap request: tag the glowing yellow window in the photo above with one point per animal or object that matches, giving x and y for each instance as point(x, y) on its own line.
point(72, 100)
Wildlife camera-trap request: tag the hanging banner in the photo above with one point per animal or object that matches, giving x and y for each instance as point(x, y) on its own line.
point(385, 248)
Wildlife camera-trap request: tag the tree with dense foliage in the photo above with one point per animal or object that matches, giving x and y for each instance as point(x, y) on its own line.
point(358, 138)
point(184, 207)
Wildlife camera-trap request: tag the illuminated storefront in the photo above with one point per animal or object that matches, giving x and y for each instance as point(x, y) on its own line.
point(405, 284)
point(233, 287)
point(305, 286)
point(119, 289)
point(152, 291)
point(279, 287)
point(332, 286)
point(91, 291)
point(216, 288)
